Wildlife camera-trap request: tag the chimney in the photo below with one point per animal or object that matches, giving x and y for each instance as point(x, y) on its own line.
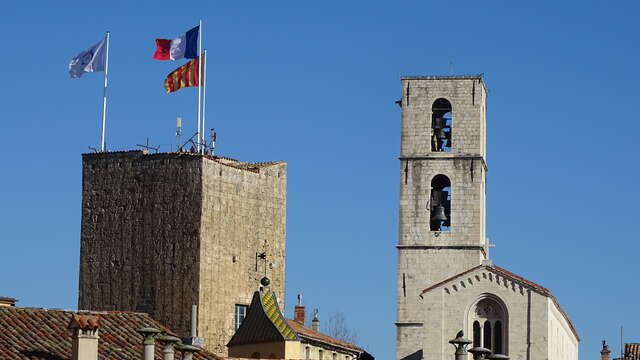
point(85, 336)
point(315, 323)
point(605, 352)
point(298, 311)
point(7, 301)
point(149, 333)
point(187, 351)
point(167, 350)
point(193, 338)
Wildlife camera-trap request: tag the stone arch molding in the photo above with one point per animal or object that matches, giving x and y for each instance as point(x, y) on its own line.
point(489, 313)
point(463, 282)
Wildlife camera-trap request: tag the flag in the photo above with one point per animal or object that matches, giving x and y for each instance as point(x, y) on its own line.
point(184, 46)
point(90, 60)
point(185, 75)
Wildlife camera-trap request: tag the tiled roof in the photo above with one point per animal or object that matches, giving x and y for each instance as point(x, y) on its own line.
point(632, 351)
point(8, 300)
point(271, 309)
point(305, 332)
point(528, 283)
point(265, 323)
point(43, 334)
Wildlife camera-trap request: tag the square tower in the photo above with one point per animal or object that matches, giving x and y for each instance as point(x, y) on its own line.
point(442, 192)
point(162, 232)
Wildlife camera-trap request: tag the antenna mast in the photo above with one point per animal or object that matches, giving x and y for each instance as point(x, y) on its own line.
point(178, 133)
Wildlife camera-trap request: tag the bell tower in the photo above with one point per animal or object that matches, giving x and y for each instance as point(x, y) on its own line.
point(442, 193)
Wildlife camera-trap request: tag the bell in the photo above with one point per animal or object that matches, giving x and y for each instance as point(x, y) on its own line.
point(439, 123)
point(441, 134)
point(438, 214)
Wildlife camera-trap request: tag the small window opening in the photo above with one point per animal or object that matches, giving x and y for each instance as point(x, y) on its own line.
point(441, 121)
point(476, 334)
point(497, 346)
point(487, 335)
point(307, 353)
point(440, 204)
point(240, 314)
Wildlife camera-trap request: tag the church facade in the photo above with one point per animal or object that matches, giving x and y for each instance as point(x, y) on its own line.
point(445, 280)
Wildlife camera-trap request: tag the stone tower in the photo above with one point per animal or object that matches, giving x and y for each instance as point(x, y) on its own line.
point(442, 192)
point(163, 232)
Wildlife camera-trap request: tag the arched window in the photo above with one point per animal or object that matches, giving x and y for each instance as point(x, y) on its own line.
point(488, 321)
point(440, 204)
point(441, 120)
point(476, 334)
point(497, 338)
point(486, 342)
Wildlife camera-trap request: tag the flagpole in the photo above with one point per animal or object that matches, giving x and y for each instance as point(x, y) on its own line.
point(199, 137)
point(104, 94)
point(204, 96)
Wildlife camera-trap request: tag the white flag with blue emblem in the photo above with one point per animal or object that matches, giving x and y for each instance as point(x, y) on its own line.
point(90, 60)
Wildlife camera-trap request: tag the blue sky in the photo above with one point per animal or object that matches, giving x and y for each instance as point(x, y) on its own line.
point(314, 83)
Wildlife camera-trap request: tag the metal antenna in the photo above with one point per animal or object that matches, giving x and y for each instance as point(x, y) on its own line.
point(213, 136)
point(178, 133)
point(147, 146)
point(450, 67)
point(621, 344)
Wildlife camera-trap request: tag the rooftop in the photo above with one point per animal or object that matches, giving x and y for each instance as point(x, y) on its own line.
point(227, 161)
point(43, 334)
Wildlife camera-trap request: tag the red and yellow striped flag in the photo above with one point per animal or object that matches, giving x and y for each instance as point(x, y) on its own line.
point(185, 75)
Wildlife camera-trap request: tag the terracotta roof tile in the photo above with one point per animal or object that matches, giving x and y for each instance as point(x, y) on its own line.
point(43, 334)
point(632, 351)
point(305, 332)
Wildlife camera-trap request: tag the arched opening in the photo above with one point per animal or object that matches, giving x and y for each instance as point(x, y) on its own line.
point(486, 342)
point(476, 334)
point(488, 320)
point(440, 204)
point(441, 121)
point(497, 338)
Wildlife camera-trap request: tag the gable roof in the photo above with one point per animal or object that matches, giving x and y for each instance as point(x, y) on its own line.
point(265, 323)
point(516, 278)
point(43, 334)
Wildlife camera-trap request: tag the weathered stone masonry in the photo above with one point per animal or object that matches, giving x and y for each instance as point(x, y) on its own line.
point(161, 232)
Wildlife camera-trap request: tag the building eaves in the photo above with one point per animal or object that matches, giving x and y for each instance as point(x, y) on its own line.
point(310, 334)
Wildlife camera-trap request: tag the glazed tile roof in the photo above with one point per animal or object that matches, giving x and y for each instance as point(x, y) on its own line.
point(265, 323)
point(528, 283)
point(43, 334)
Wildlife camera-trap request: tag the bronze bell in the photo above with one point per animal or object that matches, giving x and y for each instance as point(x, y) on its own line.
point(441, 134)
point(438, 214)
point(439, 123)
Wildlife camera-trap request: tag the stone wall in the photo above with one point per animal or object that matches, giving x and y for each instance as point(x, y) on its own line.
point(161, 232)
point(140, 234)
point(243, 214)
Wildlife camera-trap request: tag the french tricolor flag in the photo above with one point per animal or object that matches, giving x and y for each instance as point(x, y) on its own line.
point(184, 46)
